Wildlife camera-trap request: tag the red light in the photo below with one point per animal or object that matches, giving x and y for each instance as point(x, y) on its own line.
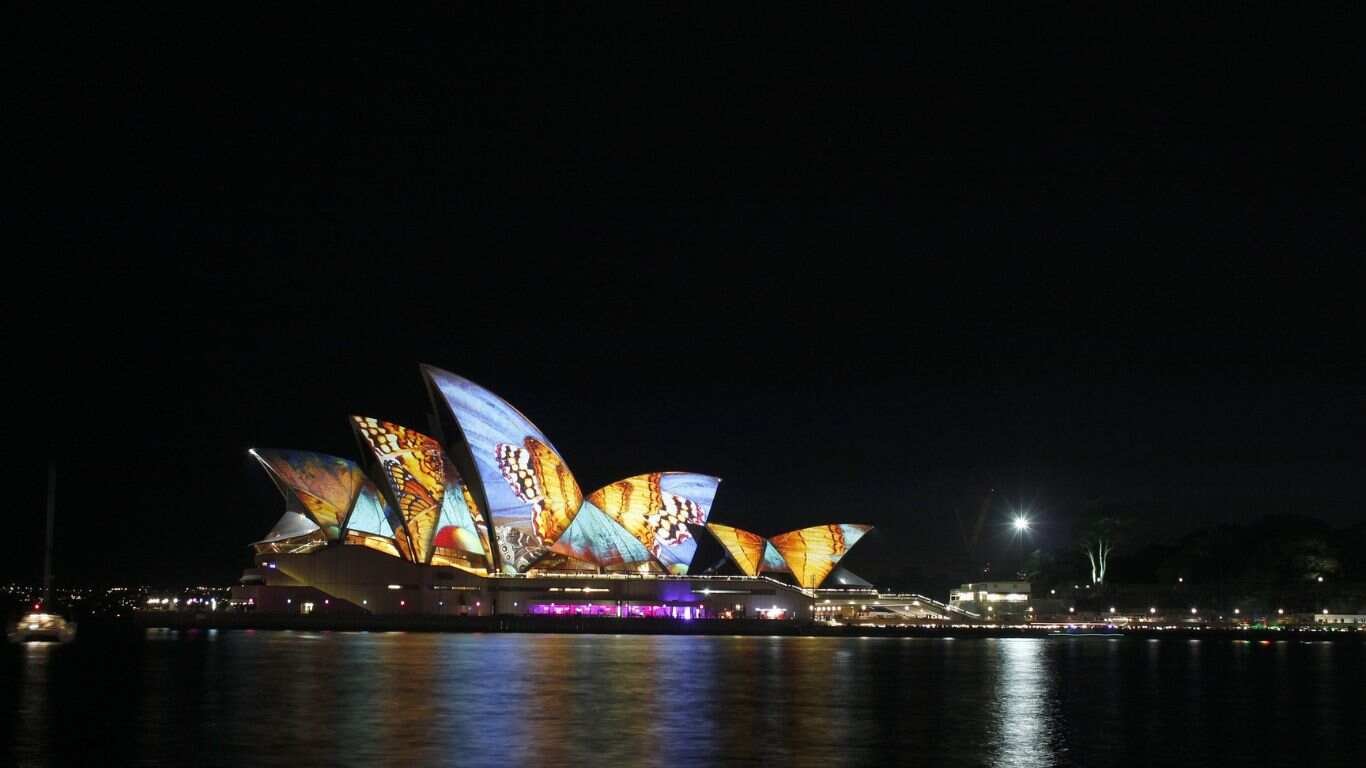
point(36, 606)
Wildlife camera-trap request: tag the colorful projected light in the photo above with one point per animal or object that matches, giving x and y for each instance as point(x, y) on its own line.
point(745, 549)
point(531, 496)
point(461, 528)
point(508, 502)
point(371, 522)
point(596, 538)
point(319, 486)
point(414, 467)
point(657, 508)
point(772, 561)
point(812, 553)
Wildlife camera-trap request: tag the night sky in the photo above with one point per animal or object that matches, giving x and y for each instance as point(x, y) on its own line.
point(864, 269)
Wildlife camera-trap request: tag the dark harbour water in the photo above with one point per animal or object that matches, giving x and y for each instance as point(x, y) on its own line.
point(243, 698)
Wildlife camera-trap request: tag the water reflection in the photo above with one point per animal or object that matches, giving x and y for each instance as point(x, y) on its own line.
point(290, 699)
point(1020, 731)
point(31, 717)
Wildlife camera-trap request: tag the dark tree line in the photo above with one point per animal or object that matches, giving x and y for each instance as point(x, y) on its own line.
point(1275, 550)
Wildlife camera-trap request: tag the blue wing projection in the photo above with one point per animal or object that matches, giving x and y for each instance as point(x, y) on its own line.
point(676, 551)
point(371, 523)
point(532, 497)
point(597, 538)
point(657, 509)
point(772, 561)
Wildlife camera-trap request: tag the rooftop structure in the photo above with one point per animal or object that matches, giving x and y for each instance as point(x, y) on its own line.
point(490, 497)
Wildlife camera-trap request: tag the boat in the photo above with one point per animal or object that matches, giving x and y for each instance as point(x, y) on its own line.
point(41, 625)
point(38, 627)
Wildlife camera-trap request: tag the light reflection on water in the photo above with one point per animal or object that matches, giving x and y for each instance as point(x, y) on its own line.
point(294, 698)
point(1021, 727)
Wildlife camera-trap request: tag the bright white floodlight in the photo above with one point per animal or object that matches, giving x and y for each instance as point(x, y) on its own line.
point(1021, 523)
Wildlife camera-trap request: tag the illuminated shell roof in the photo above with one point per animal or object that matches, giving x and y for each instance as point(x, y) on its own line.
point(527, 490)
point(414, 469)
point(321, 487)
point(812, 553)
point(519, 489)
point(596, 538)
point(745, 549)
point(809, 554)
point(657, 508)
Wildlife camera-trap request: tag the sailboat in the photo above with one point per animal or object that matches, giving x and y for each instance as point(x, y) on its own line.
point(39, 625)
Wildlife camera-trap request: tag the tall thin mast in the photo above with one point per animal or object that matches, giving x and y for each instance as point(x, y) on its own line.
point(47, 552)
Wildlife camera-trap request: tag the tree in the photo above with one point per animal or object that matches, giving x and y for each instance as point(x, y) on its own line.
point(1097, 532)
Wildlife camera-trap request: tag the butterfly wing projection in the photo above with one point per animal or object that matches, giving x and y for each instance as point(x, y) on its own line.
point(657, 508)
point(460, 528)
point(375, 524)
point(414, 468)
point(495, 434)
point(596, 538)
point(772, 562)
point(812, 553)
point(538, 476)
point(319, 486)
point(745, 549)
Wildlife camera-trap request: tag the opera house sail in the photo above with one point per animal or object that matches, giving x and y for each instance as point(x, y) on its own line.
point(488, 495)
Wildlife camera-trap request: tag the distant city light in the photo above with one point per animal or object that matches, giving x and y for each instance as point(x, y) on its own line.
point(1021, 523)
point(1180, 579)
point(1152, 610)
point(1192, 610)
point(1320, 579)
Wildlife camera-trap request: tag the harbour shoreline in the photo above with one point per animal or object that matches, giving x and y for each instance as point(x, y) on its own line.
point(711, 627)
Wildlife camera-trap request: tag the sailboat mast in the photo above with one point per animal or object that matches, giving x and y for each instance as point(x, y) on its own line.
point(47, 551)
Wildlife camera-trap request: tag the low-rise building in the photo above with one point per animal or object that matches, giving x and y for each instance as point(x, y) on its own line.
point(993, 600)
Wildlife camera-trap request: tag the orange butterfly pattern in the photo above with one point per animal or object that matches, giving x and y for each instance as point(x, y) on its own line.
point(414, 466)
point(744, 548)
point(813, 552)
point(539, 477)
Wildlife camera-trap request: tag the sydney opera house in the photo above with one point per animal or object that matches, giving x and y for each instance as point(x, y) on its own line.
point(484, 517)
